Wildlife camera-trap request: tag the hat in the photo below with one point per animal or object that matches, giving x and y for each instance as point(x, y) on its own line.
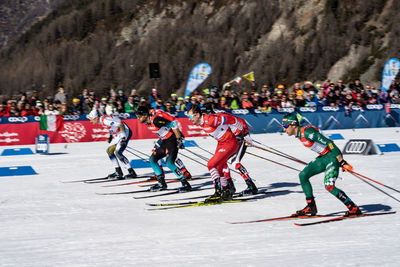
point(281, 86)
point(133, 90)
point(256, 94)
point(120, 92)
point(187, 97)
point(318, 85)
point(299, 92)
point(75, 100)
point(223, 99)
point(279, 92)
point(180, 98)
point(173, 94)
point(93, 114)
point(103, 98)
point(290, 119)
point(154, 90)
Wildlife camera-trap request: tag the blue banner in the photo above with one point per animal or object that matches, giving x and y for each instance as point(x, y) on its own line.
point(198, 74)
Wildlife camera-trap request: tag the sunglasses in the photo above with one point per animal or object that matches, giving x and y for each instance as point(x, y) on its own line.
point(191, 116)
point(286, 126)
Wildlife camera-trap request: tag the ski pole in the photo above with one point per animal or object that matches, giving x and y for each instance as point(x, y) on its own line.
point(282, 155)
point(255, 155)
point(206, 159)
point(193, 159)
point(205, 150)
point(277, 152)
point(365, 177)
point(138, 151)
point(136, 155)
point(374, 186)
point(200, 156)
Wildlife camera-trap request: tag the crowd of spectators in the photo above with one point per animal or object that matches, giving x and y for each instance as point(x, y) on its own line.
point(328, 93)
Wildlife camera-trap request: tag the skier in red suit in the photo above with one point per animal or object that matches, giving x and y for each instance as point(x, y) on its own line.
point(217, 126)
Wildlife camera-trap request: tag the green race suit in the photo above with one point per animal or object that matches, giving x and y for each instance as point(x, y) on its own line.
point(325, 162)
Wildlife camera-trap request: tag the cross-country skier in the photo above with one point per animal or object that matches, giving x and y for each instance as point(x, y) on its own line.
point(240, 129)
point(217, 126)
point(171, 139)
point(119, 137)
point(330, 159)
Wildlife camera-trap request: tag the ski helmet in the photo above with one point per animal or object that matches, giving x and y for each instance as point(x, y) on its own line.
point(93, 114)
point(142, 111)
point(290, 119)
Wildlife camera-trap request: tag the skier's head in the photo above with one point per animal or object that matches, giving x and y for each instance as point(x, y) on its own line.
point(143, 114)
point(194, 114)
point(290, 123)
point(94, 116)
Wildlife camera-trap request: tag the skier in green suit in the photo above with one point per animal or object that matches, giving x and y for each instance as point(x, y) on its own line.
point(329, 160)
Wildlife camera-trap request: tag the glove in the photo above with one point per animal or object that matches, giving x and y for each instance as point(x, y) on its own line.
point(110, 138)
point(123, 142)
point(345, 166)
point(180, 142)
point(248, 140)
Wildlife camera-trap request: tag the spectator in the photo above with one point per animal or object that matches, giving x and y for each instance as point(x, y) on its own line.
point(286, 103)
point(130, 106)
point(3, 111)
point(180, 106)
point(110, 109)
point(300, 101)
point(357, 85)
point(235, 102)
point(173, 99)
point(153, 98)
point(85, 94)
point(192, 101)
point(51, 110)
point(170, 108)
point(275, 103)
point(28, 111)
point(223, 105)
point(64, 110)
point(160, 104)
point(60, 96)
point(395, 98)
point(340, 85)
point(120, 107)
point(76, 107)
point(86, 107)
point(246, 103)
point(320, 99)
point(309, 98)
point(331, 99)
point(136, 98)
point(122, 97)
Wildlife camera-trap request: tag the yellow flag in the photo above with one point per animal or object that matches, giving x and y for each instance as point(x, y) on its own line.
point(249, 76)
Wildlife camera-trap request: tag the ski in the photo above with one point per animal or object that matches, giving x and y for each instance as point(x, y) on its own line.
point(336, 219)
point(154, 180)
point(203, 203)
point(84, 180)
point(131, 192)
point(177, 180)
point(291, 217)
point(107, 180)
point(173, 192)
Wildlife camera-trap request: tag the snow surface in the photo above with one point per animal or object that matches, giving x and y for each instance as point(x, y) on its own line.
point(44, 222)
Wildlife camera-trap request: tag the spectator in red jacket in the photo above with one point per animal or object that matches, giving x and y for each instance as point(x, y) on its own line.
point(4, 111)
point(28, 111)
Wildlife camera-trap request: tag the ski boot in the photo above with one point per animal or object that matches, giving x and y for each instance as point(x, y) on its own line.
point(132, 174)
point(185, 186)
point(251, 188)
point(216, 197)
point(162, 185)
point(354, 210)
point(231, 185)
point(310, 209)
point(226, 193)
point(186, 174)
point(117, 175)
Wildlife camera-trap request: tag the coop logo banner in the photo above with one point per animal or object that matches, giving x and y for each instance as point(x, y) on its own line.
point(389, 73)
point(198, 74)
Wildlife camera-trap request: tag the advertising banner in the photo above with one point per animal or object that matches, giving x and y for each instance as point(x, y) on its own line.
point(198, 74)
point(390, 71)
